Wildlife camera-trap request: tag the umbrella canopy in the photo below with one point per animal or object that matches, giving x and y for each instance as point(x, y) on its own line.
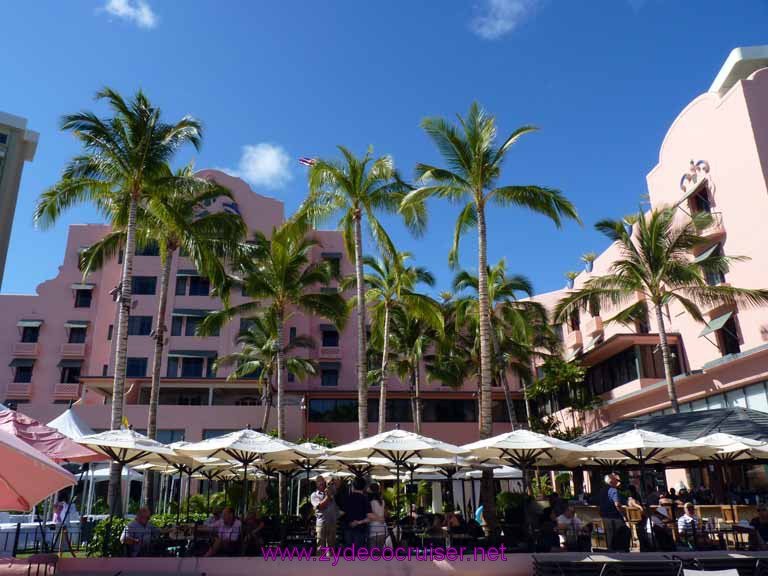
point(500, 473)
point(126, 446)
point(642, 446)
point(398, 446)
point(729, 447)
point(70, 424)
point(27, 476)
point(524, 449)
point(245, 446)
point(55, 445)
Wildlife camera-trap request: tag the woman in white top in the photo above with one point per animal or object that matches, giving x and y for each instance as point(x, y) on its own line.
point(377, 525)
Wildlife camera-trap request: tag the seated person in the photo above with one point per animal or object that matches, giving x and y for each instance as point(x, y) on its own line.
point(253, 534)
point(436, 529)
point(227, 535)
point(760, 524)
point(548, 540)
point(213, 518)
point(455, 523)
point(634, 500)
point(140, 533)
point(659, 531)
point(573, 531)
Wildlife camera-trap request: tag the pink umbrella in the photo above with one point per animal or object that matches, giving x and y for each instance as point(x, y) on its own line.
point(47, 440)
point(27, 476)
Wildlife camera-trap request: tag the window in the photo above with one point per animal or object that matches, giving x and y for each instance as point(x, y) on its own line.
point(143, 285)
point(139, 325)
point(332, 410)
point(23, 374)
point(82, 298)
point(329, 376)
point(713, 277)
point(728, 338)
point(148, 249)
point(136, 368)
point(168, 436)
point(756, 397)
point(236, 397)
point(104, 369)
point(199, 286)
point(330, 337)
point(643, 324)
point(700, 201)
point(109, 331)
point(30, 334)
point(594, 307)
point(181, 285)
point(292, 334)
point(215, 433)
point(736, 398)
point(574, 322)
point(191, 366)
point(245, 324)
point(77, 334)
point(176, 324)
point(398, 410)
point(177, 396)
point(191, 328)
point(449, 410)
point(334, 262)
point(70, 371)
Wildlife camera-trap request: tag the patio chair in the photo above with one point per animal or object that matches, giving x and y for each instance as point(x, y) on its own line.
point(550, 567)
point(643, 568)
point(744, 566)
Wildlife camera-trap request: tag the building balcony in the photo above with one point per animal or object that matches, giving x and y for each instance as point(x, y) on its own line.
point(573, 339)
point(24, 348)
point(66, 392)
point(592, 325)
point(716, 228)
point(330, 352)
point(18, 391)
point(73, 350)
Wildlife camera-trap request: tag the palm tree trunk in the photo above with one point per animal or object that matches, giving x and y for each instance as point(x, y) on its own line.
point(147, 496)
point(121, 352)
point(383, 381)
point(362, 368)
point(417, 399)
point(266, 401)
point(486, 423)
point(504, 381)
point(667, 358)
point(279, 375)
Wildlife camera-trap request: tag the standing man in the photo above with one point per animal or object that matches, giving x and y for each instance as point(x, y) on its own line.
point(612, 512)
point(356, 513)
point(322, 500)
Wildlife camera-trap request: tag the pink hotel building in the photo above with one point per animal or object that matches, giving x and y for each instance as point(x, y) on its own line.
point(58, 347)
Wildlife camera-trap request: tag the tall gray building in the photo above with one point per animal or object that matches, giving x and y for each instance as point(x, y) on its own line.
point(17, 145)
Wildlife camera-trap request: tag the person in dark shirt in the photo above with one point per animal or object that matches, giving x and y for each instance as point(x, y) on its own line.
point(611, 510)
point(760, 524)
point(356, 508)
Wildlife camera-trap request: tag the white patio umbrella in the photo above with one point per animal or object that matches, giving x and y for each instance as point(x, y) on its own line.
point(70, 424)
point(525, 449)
point(726, 448)
point(247, 447)
point(398, 446)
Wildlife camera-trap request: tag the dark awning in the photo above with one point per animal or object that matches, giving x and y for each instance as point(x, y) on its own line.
point(194, 312)
point(193, 353)
point(707, 253)
point(330, 365)
point(70, 363)
point(29, 323)
point(330, 254)
point(328, 327)
point(76, 324)
point(16, 362)
point(83, 286)
point(188, 272)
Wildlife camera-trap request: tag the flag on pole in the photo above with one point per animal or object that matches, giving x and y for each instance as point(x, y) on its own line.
point(305, 161)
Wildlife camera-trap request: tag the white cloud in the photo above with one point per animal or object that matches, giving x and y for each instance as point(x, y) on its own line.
point(264, 164)
point(138, 12)
point(495, 18)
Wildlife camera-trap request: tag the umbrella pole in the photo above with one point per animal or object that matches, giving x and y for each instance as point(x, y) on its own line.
point(189, 490)
point(397, 495)
point(208, 505)
point(178, 507)
point(245, 488)
point(463, 497)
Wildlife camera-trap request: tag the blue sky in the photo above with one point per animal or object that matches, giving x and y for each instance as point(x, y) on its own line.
point(276, 80)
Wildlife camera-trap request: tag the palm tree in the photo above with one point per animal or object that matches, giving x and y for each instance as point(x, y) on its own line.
point(519, 328)
point(355, 189)
point(654, 269)
point(279, 269)
point(174, 217)
point(390, 285)
point(123, 156)
point(474, 168)
point(258, 356)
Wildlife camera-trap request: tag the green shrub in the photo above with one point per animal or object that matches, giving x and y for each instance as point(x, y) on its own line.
point(96, 546)
point(505, 500)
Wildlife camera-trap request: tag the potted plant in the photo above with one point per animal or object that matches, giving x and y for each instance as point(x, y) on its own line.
point(589, 261)
point(629, 223)
point(571, 277)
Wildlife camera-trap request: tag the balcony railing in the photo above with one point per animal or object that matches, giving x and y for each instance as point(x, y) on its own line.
point(18, 391)
point(77, 350)
point(573, 339)
point(592, 325)
point(716, 228)
point(66, 391)
point(24, 349)
point(330, 352)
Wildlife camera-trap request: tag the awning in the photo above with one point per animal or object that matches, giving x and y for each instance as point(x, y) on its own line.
point(716, 324)
point(83, 286)
point(16, 362)
point(571, 355)
point(188, 272)
point(330, 254)
point(707, 253)
point(328, 327)
point(190, 312)
point(330, 365)
point(70, 364)
point(692, 191)
point(76, 324)
point(193, 353)
point(29, 323)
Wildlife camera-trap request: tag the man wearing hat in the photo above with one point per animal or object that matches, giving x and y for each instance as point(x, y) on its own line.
point(611, 511)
